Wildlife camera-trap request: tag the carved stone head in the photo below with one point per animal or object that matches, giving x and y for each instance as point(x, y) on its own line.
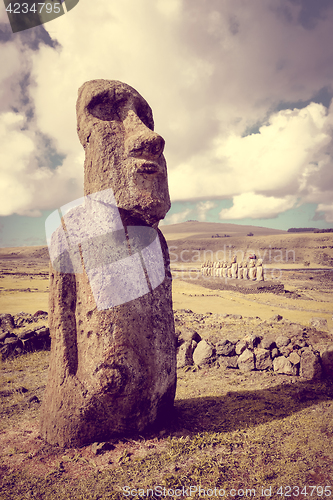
point(116, 128)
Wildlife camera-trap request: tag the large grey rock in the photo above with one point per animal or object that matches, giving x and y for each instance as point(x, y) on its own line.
point(241, 346)
point(228, 361)
point(225, 348)
point(6, 321)
point(185, 354)
point(282, 341)
point(246, 361)
point(326, 353)
point(263, 359)
point(203, 353)
point(4, 334)
point(284, 366)
point(286, 350)
point(310, 368)
point(26, 334)
point(188, 334)
point(268, 342)
point(252, 341)
point(113, 355)
point(294, 358)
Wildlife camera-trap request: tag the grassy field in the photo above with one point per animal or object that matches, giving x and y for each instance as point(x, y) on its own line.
point(228, 431)
point(232, 434)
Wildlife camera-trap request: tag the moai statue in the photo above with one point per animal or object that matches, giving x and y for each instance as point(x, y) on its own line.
point(240, 271)
point(113, 356)
point(206, 268)
point(252, 269)
point(260, 273)
point(225, 270)
point(229, 275)
point(219, 269)
point(234, 268)
point(245, 271)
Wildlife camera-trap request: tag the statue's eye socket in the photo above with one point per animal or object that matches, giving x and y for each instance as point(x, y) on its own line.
point(145, 118)
point(105, 109)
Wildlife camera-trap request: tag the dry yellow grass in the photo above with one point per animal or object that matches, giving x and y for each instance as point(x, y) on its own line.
point(230, 430)
point(200, 300)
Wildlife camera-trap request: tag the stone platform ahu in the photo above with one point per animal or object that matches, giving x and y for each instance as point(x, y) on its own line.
point(113, 351)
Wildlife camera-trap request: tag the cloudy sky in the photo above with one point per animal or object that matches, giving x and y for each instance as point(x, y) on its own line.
point(241, 91)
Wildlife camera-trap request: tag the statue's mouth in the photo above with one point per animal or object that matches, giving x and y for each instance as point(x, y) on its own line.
point(148, 168)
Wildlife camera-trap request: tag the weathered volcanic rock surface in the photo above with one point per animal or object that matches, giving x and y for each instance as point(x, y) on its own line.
point(111, 372)
point(112, 368)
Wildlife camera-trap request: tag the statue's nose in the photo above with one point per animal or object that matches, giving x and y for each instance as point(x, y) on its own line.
point(143, 142)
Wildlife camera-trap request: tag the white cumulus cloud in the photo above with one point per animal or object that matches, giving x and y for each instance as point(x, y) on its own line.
point(257, 206)
point(211, 71)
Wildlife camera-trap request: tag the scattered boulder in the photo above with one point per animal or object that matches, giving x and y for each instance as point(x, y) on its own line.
point(284, 366)
point(6, 321)
point(252, 341)
point(286, 350)
point(268, 342)
point(26, 334)
point(298, 342)
point(310, 368)
point(263, 359)
point(43, 331)
point(203, 353)
point(11, 340)
point(294, 358)
point(40, 313)
point(185, 354)
point(282, 341)
point(187, 334)
point(225, 348)
point(23, 318)
point(4, 334)
point(326, 353)
point(12, 344)
point(241, 346)
point(228, 361)
point(275, 353)
point(246, 361)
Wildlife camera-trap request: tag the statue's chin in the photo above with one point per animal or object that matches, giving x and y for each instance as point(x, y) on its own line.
point(146, 206)
point(151, 212)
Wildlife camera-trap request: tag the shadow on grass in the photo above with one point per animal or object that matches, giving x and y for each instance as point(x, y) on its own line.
point(243, 409)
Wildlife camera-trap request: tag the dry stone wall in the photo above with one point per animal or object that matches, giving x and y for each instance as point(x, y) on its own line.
point(20, 333)
point(294, 350)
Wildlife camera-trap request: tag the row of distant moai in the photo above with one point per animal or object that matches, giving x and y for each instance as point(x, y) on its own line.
point(246, 270)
